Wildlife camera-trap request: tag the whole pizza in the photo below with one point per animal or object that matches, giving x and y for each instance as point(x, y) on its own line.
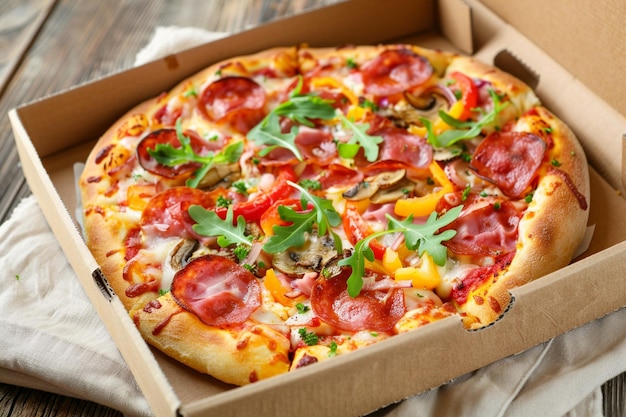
point(279, 209)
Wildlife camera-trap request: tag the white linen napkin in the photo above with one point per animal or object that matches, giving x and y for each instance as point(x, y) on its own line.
point(53, 340)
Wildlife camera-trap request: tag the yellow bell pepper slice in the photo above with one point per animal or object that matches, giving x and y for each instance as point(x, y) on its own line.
point(278, 291)
point(424, 205)
point(356, 112)
point(391, 261)
point(456, 110)
point(424, 276)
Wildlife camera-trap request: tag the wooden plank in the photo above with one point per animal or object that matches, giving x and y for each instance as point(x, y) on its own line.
point(20, 21)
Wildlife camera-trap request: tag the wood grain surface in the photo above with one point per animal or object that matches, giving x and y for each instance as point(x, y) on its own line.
point(48, 46)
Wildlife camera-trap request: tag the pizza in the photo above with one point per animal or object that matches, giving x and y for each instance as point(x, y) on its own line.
point(282, 208)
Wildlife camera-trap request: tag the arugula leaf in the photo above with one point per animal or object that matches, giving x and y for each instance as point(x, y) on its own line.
point(166, 154)
point(305, 107)
point(208, 223)
point(356, 260)
point(360, 136)
point(300, 108)
point(463, 130)
point(419, 237)
point(269, 132)
point(321, 213)
point(293, 235)
point(423, 237)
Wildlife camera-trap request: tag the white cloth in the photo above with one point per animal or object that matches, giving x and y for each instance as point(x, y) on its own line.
point(52, 338)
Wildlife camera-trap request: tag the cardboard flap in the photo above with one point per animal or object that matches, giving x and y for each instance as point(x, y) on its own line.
point(587, 37)
point(562, 92)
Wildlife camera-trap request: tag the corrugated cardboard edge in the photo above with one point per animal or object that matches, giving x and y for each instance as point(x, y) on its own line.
point(111, 311)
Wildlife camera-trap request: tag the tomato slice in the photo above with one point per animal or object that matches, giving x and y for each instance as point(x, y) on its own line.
point(252, 210)
point(469, 91)
point(356, 229)
point(217, 290)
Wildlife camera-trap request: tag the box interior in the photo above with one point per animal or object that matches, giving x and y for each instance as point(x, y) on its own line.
point(446, 24)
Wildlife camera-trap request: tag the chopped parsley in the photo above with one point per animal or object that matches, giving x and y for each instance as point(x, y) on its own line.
point(309, 338)
point(312, 185)
point(302, 308)
point(333, 349)
point(241, 251)
point(466, 192)
point(223, 201)
point(241, 187)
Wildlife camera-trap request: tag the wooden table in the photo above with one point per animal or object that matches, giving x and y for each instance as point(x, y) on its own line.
point(50, 45)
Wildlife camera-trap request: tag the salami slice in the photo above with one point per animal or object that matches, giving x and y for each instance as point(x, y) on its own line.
point(394, 71)
point(217, 290)
point(509, 160)
point(370, 310)
point(238, 101)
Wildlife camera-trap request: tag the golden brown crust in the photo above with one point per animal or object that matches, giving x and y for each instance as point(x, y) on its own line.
point(237, 356)
point(552, 228)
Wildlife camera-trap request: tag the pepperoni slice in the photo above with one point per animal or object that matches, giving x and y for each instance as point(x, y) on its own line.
point(370, 310)
point(317, 146)
point(400, 145)
point(166, 213)
point(509, 160)
point(217, 290)
point(486, 226)
point(167, 137)
point(239, 101)
point(339, 175)
point(394, 71)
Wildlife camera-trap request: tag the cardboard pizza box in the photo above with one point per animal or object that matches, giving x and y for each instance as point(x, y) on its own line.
point(419, 360)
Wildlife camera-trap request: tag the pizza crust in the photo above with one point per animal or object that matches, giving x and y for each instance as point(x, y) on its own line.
point(238, 355)
point(552, 228)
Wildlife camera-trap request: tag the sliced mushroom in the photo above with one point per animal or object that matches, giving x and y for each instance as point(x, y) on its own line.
point(394, 193)
point(371, 185)
point(220, 173)
point(332, 268)
point(431, 99)
point(447, 153)
point(182, 253)
point(311, 257)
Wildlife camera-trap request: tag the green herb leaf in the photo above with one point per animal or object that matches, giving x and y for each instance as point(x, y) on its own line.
point(269, 132)
point(303, 108)
point(293, 235)
point(320, 211)
point(309, 184)
point(333, 349)
point(356, 261)
point(210, 224)
point(309, 338)
point(424, 237)
point(463, 130)
point(166, 154)
point(300, 108)
point(360, 136)
point(302, 308)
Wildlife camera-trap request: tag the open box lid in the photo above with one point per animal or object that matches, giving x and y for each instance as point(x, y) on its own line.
point(589, 39)
point(169, 388)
